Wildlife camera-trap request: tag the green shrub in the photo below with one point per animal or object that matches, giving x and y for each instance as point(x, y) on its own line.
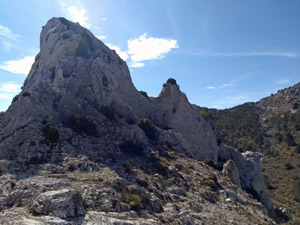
point(271, 152)
point(134, 200)
point(289, 139)
point(148, 127)
point(297, 149)
point(12, 184)
point(211, 164)
point(81, 124)
point(144, 94)
point(295, 105)
point(206, 113)
point(289, 166)
point(51, 133)
point(161, 165)
point(30, 209)
point(293, 222)
point(297, 190)
point(278, 137)
point(127, 167)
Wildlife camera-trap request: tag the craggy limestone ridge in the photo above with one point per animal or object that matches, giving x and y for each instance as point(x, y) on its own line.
point(80, 145)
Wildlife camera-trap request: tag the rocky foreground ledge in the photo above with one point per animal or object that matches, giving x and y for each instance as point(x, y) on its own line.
point(80, 145)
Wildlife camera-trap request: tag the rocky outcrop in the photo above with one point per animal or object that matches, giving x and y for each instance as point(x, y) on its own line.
point(248, 165)
point(64, 203)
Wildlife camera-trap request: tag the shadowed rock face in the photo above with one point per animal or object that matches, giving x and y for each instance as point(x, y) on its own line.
point(76, 73)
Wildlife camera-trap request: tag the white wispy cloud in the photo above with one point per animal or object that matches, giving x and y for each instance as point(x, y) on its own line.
point(7, 33)
point(79, 15)
point(6, 96)
point(97, 28)
point(283, 81)
point(20, 66)
point(104, 18)
point(146, 48)
point(232, 83)
point(123, 54)
point(7, 37)
point(137, 64)
point(247, 54)
point(10, 87)
point(8, 90)
point(101, 37)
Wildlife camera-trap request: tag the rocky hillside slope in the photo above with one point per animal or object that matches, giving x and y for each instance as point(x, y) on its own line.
point(80, 145)
point(270, 126)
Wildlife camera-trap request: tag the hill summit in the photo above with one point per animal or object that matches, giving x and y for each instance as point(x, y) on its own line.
point(81, 145)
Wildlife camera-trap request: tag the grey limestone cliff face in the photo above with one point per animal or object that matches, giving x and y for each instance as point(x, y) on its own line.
point(75, 73)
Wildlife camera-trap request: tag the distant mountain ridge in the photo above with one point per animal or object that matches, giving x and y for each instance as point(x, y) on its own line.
point(270, 126)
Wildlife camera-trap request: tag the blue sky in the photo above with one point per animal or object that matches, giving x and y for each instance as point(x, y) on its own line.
point(222, 53)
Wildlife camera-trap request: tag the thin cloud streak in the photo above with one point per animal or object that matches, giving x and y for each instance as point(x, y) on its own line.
point(20, 66)
point(247, 54)
point(6, 96)
point(101, 37)
point(231, 83)
point(10, 87)
point(6, 32)
point(137, 64)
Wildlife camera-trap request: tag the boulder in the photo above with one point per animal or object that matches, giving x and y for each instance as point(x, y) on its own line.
point(64, 203)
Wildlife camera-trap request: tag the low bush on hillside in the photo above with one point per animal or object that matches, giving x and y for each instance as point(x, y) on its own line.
point(297, 149)
point(297, 190)
point(148, 127)
point(133, 199)
point(82, 125)
point(51, 133)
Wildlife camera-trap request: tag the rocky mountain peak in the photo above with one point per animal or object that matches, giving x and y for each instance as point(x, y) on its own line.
point(79, 111)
